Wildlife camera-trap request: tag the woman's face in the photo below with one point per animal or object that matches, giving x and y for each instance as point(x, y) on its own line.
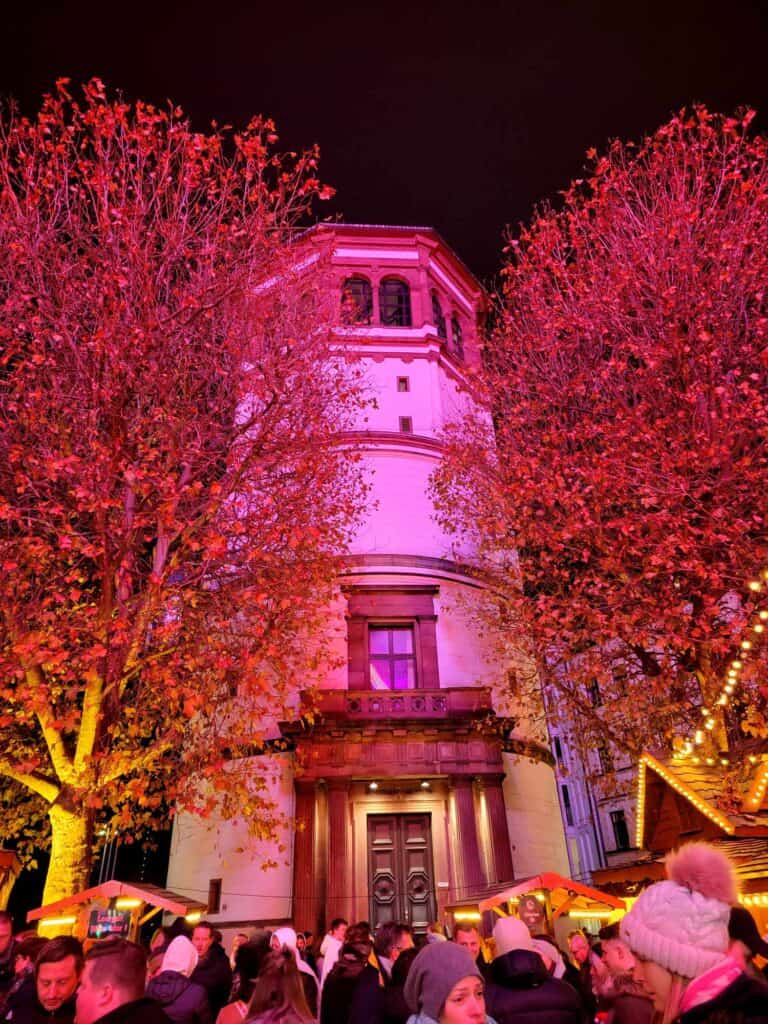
point(465, 1003)
point(300, 943)
point(655, 980)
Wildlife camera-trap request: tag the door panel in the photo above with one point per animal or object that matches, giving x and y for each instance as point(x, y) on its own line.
point(400, 871)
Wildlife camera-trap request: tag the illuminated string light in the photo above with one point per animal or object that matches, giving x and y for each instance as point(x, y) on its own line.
point(756, 585)
point(701, 805)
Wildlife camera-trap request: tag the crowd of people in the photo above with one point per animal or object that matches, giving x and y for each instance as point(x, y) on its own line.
point(685, 952)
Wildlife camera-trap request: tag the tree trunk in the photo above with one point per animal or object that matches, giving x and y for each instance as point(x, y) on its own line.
point(70, 851)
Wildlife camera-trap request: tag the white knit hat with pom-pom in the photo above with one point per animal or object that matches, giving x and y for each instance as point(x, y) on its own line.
point(682, 924)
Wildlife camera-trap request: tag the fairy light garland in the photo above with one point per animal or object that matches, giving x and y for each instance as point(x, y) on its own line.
point(701, 805)
point(758, 627)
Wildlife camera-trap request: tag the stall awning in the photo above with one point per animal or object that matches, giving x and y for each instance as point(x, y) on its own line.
point(564, 894)
point(164, 899)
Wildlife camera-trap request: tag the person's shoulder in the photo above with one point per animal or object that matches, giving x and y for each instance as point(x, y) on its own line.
point(139, 1011)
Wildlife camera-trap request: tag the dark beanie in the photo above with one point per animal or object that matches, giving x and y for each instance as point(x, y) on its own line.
point(438, 967)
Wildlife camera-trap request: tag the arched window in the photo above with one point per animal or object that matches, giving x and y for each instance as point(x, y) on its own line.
point(357, 300)
point(437, 316)
point(457, 339)
point(395, 303)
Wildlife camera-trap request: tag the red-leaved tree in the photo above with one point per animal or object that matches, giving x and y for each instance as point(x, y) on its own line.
point(619, 493)
point(171, 494)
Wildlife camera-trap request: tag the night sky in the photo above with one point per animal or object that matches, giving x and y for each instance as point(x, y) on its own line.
point(461, 117)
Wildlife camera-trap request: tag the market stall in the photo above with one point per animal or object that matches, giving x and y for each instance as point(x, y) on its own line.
point(112, 908)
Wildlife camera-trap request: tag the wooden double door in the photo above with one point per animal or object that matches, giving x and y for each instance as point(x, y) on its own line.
point(401, 880)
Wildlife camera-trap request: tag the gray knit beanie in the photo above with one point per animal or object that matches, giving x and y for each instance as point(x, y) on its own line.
point(434, 972)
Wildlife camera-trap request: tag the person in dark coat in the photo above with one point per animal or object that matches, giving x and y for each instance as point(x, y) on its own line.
point(112, 986)
point(7, 952)
point(392, 938)
point(626, 1001)
point(248, 960)
point(394, 1008)
point(521, 989)
point(23, 990)
point(339, 987)
point(183, 1001)
point(213, 971)
point(57, 972)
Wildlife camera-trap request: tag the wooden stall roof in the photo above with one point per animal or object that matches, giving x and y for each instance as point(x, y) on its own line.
point(173, 902)
point(561, 891)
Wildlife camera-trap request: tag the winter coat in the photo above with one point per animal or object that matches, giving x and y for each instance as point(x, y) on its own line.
point(628, 1004)
point(745, 1001)
point(140, 1011)
point(367, 1004)
point(394, 1009)
point(522, 992)
point(7, 963)
point(214, 973)
point(339, 988)
point(33, 1013)
point(579, 976)
point(183, 1001)
point(23, 993)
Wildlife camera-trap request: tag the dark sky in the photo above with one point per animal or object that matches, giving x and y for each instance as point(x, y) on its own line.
point(457, 116)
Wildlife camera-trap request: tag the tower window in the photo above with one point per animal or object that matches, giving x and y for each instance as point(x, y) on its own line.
point(357, 300)
point(620, 830)
point(567, 809)
point(406, 425)
point(558, 752)
point(437, 316)
point(214, 895)
point(392, 657)
point(395, 303)
point(457, 339)
point(403, 384)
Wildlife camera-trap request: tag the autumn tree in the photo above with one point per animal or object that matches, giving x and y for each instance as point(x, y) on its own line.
point(619, 495)
point(171, 491)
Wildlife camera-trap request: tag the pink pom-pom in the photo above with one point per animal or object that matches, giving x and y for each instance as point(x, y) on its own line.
point(705, 869)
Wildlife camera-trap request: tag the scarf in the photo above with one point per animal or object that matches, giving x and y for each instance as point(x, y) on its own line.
point(710, 984)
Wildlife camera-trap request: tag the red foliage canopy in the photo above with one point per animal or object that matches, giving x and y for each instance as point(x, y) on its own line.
point(171, 494)
point(622, 507)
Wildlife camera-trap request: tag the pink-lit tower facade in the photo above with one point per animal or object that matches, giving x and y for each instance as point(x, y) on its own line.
point(410, 800)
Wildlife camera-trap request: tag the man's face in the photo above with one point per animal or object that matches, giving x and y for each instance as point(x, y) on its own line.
point(469, 938)
point(617, 957)
point(21, 963)
point(56, 982)
point(579, 948)
point(6, 935)
point(91, 1002)
point(340, 932)
point(202, 940)
point(532, 913)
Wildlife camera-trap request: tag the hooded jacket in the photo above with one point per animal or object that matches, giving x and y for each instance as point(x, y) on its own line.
point(522, 992)
point(183, 1001)
point(340, 985)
